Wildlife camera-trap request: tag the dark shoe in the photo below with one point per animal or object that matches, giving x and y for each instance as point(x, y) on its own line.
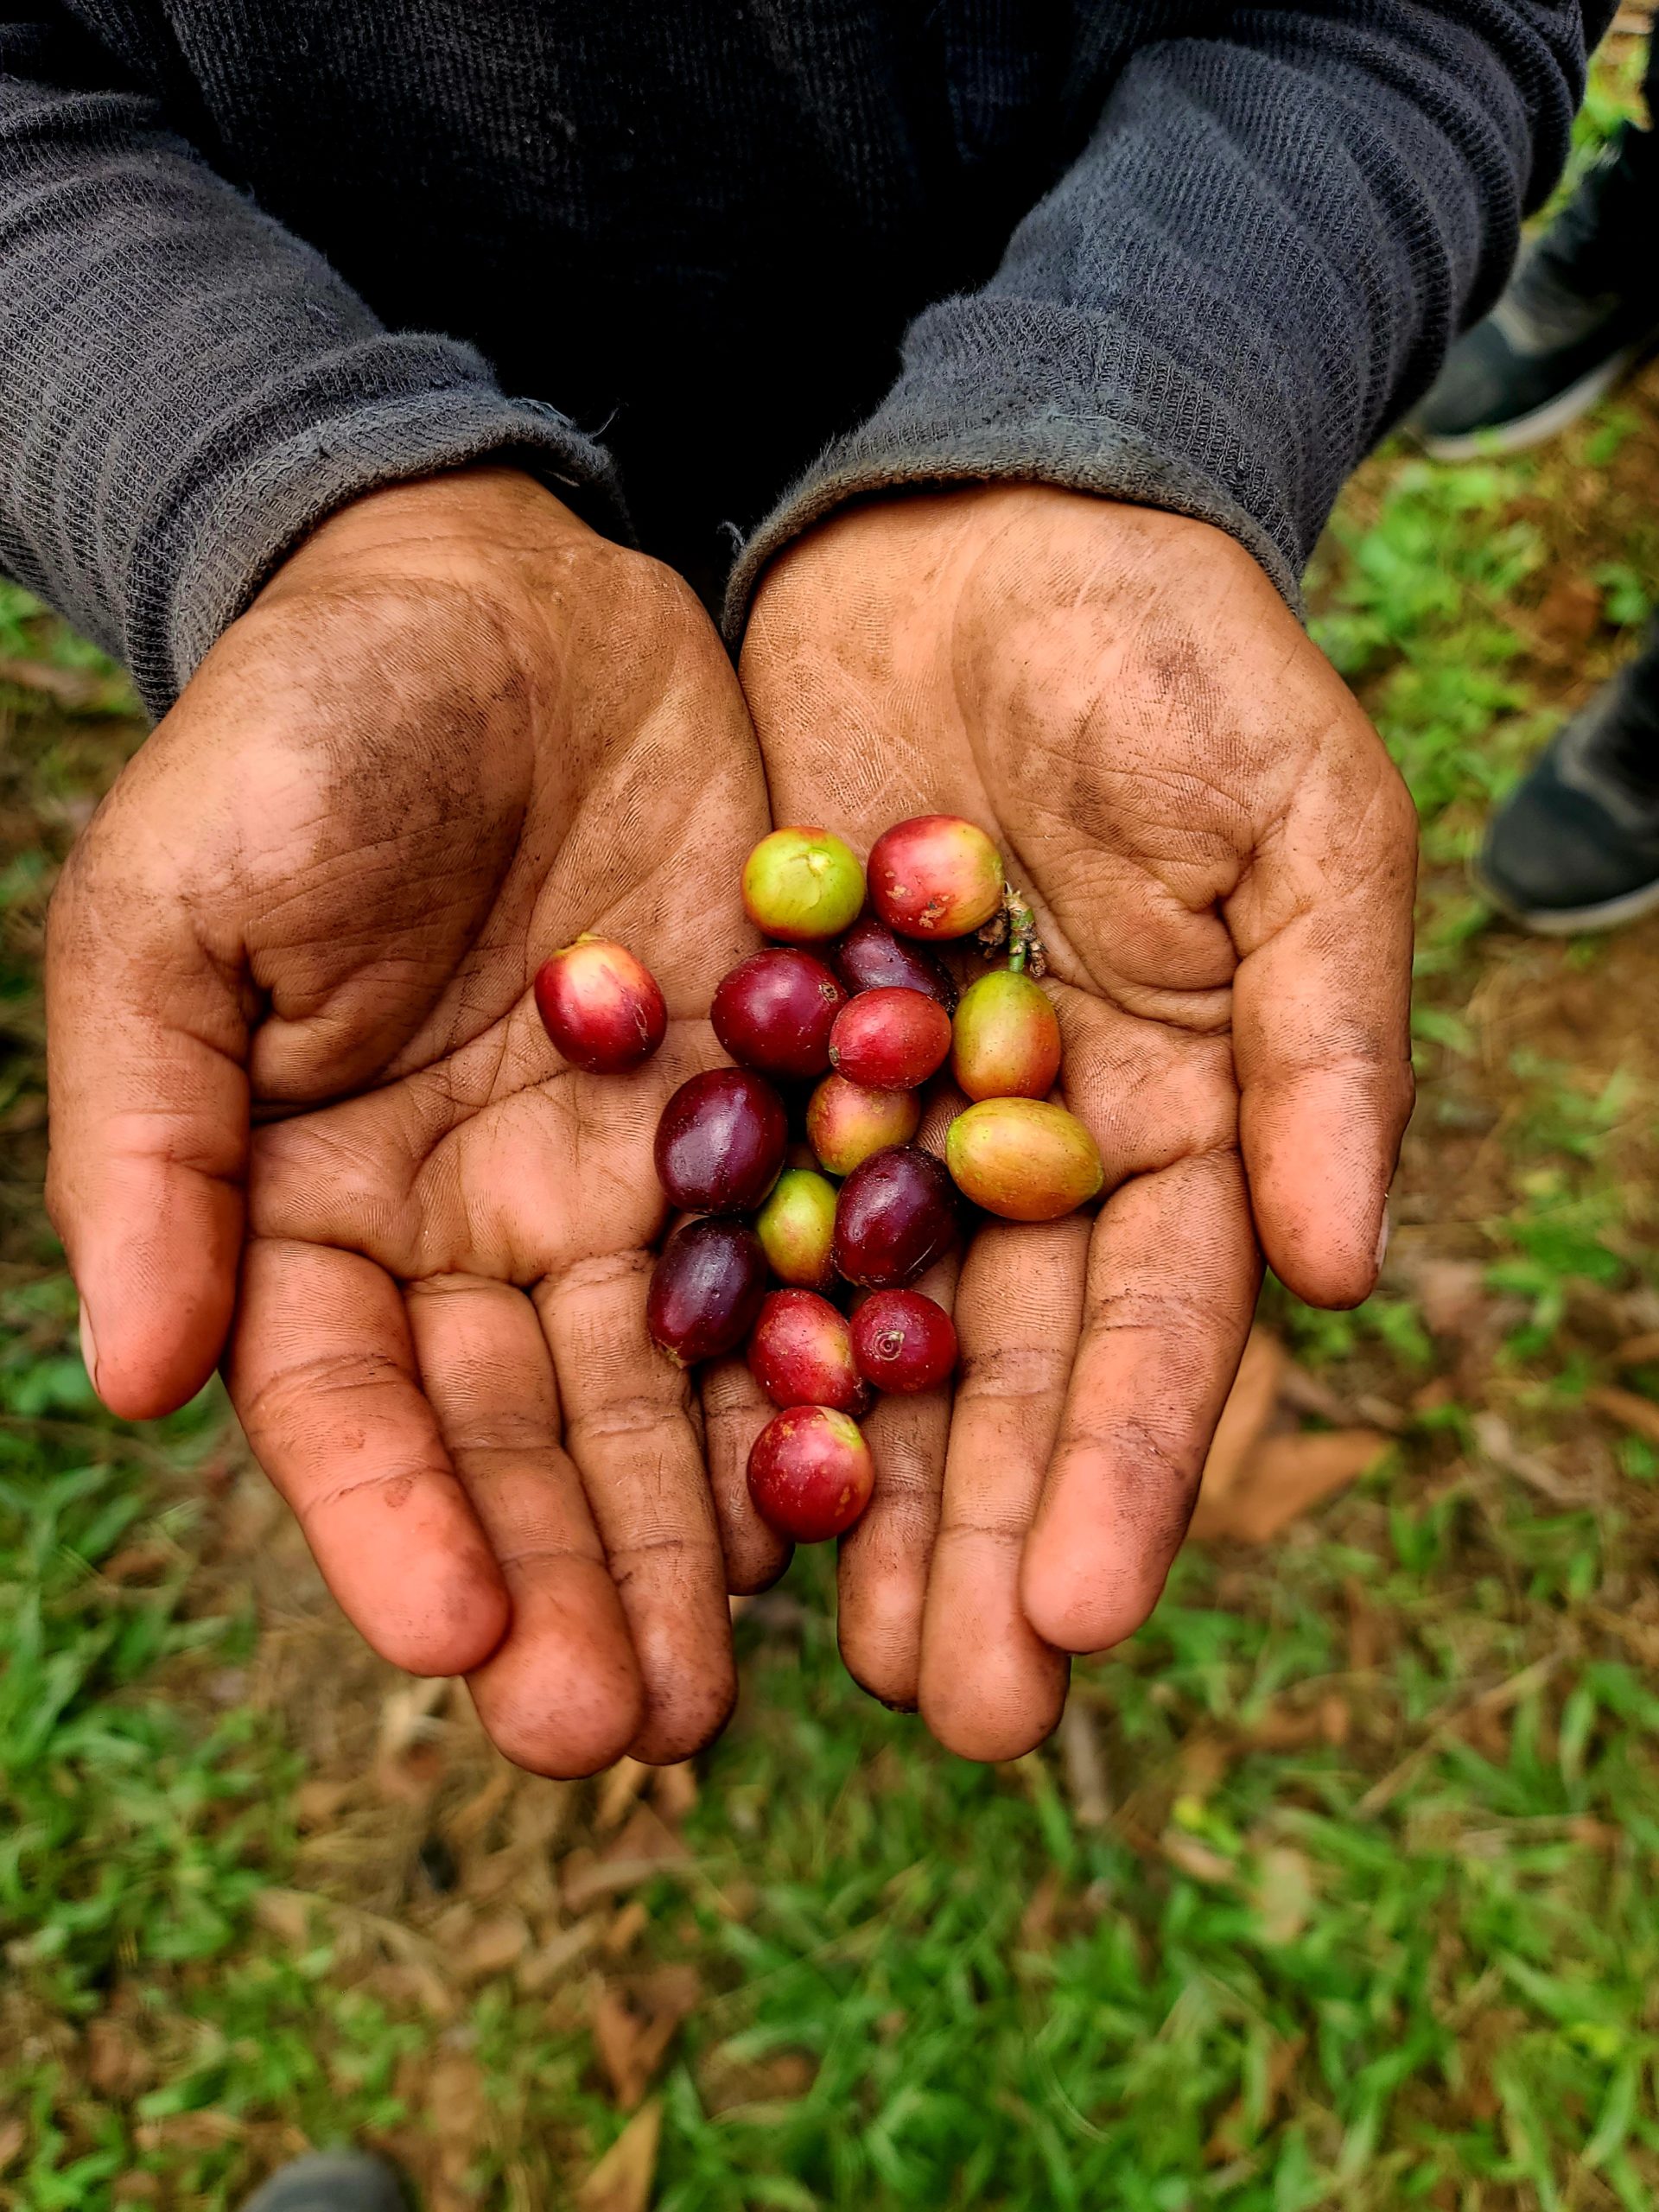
point(1575, 846)
point(331, 2181)
point(1581, 309)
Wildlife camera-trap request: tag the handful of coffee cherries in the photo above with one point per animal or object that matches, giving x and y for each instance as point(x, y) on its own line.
point(867, 1016)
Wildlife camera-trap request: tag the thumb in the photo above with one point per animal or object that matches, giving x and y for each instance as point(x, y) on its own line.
point(147, 1038)
point(1321, 1005)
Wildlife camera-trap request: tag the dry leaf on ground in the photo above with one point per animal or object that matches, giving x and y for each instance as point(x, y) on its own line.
point(1283, 1477)
point(1282, 1727)
point(1205, 1761)
point(1236, 2130)
point(318, 1802)
point(725, 2082)
point(621, 2181)
point(625, 1931)
point(1640, 1415)
point(406, 1715)
point(412, 1778)
point(474, 1818)
point(1367, 1628)
point(645, 1847)
point(1191, 1857)
point(1251, 1406)
point(541, 1811)
point(188, 2131)
point(1042, 1910)
point(456, 2108)
point(647, 1837)
point(1453, 1297)
point(494, 1946)
point(618, 1788)
point(1306, 1393)
point(559, 1953)
point(117, 2064)
point(141, 1563)
point(634, 2022)
point(285, 1914)
point(410, 1982)
point(674, 1792)
point(1568, 615)
point(1284, 1892)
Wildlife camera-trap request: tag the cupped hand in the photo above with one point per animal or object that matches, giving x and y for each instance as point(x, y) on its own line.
point(302, 1101)
point(1221, 860)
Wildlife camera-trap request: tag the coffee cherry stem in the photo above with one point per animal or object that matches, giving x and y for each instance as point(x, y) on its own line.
point(1016, 926)
point(1022, 935)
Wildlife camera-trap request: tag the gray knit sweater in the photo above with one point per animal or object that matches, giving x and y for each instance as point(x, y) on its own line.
point(711, 266)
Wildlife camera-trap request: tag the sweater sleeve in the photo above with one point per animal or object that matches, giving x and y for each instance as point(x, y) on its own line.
point(1257, 264)
point(185, 387)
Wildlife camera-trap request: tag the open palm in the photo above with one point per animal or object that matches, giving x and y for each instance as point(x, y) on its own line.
point(1221, 862)
point(290, 969)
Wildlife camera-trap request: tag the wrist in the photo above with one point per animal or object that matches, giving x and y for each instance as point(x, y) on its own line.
point(921, 578)
point(1023, 532)
point(466, 525)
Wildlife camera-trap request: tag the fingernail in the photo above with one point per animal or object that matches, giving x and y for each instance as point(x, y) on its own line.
point(88, 1344)
point(1382, 1241)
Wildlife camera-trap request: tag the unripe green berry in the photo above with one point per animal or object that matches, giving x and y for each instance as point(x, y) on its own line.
point(797, 1229)
point(802, 885)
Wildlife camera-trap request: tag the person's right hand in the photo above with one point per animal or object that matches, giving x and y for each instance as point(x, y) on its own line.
point(288, 993)
point(1220, 861)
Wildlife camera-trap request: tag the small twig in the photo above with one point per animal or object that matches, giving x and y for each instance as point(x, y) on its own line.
point(1085, 1765)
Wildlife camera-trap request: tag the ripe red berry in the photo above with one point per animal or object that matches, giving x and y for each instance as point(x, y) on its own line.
point(1024, 1159)
point(890, 1039)
point(810, 1473)
point(903, 1342)
point(801, 1354)
point(937, 876)
point(871, 958)
point(720, 1142)
point(797, 1229)
point(802, 885)
point(600, 1005)
point(1006, 1040)
point(894, 1215)
point(705, 1290)
point(845, 1123)
point(775, 1010)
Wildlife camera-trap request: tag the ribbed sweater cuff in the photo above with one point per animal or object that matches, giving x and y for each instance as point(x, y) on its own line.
point(985, 405)
point(385, 411)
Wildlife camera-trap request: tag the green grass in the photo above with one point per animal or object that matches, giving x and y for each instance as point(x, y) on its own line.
point(1128, 2059)
point(1372, 1920)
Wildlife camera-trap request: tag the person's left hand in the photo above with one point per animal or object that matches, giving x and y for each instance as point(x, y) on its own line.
point(1221, 862)
point(304, 1113)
